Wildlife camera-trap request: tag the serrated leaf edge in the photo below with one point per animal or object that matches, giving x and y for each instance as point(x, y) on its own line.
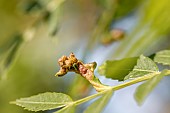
point(66, 103)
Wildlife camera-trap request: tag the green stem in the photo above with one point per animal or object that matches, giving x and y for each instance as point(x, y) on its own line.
point(120, 86)
point(134, 81)
point(89, 97)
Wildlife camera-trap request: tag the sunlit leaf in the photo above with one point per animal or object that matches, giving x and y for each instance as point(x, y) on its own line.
point(163, 57)
point(145, 89)
point(117, 69)
point(99, 105)
point(44, 101)
point(144, 66)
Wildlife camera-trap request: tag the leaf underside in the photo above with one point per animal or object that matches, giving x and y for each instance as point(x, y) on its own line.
point(144, 66)
point(117, 69)
point(145, 89)
point(99, 105)
point(44, 101)
point(163, 57)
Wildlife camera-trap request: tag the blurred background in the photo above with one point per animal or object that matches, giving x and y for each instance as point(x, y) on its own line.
point(35, 33)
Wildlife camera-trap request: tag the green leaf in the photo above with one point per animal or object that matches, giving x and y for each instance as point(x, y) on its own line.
point(150, 38)
point(8, 54)
point(99, 105)
point(117, 69)
point(67, 109)
point(44, 101)
point(144, 66)
point(56, 16)
point(163, 57)
point(145, 89)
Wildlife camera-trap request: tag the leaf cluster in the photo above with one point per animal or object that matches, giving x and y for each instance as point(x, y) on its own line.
point(145, 69)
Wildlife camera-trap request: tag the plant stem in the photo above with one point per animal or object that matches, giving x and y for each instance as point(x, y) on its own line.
point(90, 97)
point(134, 81)
point(120, 86)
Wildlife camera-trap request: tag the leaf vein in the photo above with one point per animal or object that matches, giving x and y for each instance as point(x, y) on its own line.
point(145, 70)
point(33, 102)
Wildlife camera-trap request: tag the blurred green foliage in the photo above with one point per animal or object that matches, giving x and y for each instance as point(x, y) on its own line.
point(35, 33)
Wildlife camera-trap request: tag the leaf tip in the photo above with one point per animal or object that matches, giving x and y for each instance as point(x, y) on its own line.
point(13, 102)
point(138, 100)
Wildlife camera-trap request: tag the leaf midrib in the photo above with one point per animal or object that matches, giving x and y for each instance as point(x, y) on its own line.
point(150, 71)
point(33, 102)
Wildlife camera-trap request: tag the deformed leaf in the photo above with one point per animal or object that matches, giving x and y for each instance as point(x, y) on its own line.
point(145, 89)
point(117, 69)
point(163, 57)
point(144, 66)
point(67, 109)
point(99, 105)
point(44, 101)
